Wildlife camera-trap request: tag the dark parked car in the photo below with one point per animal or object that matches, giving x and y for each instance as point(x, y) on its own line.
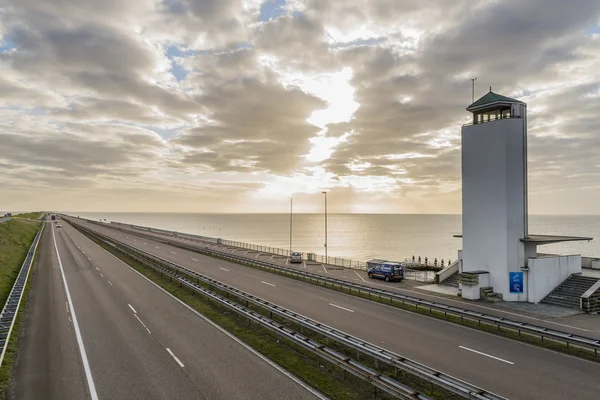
point(387, 271)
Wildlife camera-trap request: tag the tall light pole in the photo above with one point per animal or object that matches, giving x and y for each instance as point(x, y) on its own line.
point(326, 259)
point(473, 89)
point(291, 227)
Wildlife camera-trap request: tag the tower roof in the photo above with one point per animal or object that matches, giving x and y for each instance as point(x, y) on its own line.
point(491, 99)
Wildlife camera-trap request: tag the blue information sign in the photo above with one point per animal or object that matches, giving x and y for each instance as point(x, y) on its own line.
point(516, 282)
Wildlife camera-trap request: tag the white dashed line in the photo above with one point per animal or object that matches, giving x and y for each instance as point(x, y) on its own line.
point(67, 306)
point(224, 269)
point(267, 283)
point(98, 269)
point(144, 325)
point(172, 252)
point(343, 308)
point(175, 358)
point(193, 259)
point(101, 274)
point(487, 355)
point(132, 309)
point(110, 283)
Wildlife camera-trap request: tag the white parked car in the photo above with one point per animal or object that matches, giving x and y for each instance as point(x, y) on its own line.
point(296, 257)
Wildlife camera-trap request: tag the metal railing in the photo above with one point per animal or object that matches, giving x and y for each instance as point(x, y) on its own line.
point(9, 313)
point(355, 288)
point(359, 370)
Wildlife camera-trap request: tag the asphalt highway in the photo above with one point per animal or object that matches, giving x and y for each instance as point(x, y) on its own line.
point(509, 368)
point(584, 324)
point(114, 335)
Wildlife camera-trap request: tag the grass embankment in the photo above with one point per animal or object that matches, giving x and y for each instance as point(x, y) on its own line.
point(31, 215)
point(325, 377)
point(15, 239)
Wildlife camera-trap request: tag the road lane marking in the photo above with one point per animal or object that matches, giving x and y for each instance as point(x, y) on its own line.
point(267, 283)
point(145, 243)
point(157, 247)
point(89, 259)
point(143, 324)
point(173, 252)
point(228, 334)
point(101, 274)
point(110, 283)
point(224, 269)
point(324, 268)
point(343, 308)
point(363, 279)
point(67, 306)
point(487, 355)
point(98, 269)
point(193, 259)
point(132, 309)
point(82, 352)
point(175, 358)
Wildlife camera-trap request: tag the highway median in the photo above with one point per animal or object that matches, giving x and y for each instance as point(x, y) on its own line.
point(327, 377)
point(546, 338)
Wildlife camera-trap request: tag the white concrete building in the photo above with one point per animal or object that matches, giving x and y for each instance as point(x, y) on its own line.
point(498, 251)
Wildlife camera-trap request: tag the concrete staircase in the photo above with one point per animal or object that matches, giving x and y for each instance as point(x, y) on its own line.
point(569, 292)
point(487, 293)
point(451, 281)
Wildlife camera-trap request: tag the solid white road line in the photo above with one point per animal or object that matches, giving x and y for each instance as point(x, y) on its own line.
point(487, 355)
point(175, 358)
point(343, 308)
point(224, 269)
point(144, 325)
point(132, 309)
point(267, 283)
point(363, 279)
point(84, 359)
point(193, 259)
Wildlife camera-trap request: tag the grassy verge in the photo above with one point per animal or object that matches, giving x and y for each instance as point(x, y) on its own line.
point(13, 344)
point(15, 239)
point(31, 215)
point(325, 377)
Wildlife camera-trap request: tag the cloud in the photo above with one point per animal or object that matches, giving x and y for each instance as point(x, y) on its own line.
point(208, 99)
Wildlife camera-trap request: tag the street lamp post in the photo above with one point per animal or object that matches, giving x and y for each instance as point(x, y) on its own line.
point(326, 259)
point(291, 227)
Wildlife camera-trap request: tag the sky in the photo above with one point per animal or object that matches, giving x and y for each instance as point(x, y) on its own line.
point(240, 105)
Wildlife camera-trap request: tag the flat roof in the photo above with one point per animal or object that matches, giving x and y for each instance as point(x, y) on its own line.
point(547, 239)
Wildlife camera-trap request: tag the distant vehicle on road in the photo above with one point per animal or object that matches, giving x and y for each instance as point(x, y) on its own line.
point(296, 257)
point(387, 271)
point(53, 217)
point(58, 225)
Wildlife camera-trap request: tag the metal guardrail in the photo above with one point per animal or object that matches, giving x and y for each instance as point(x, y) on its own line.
point(13, 302)
point(462, 313)
point(359, 370)
point(397, 361)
